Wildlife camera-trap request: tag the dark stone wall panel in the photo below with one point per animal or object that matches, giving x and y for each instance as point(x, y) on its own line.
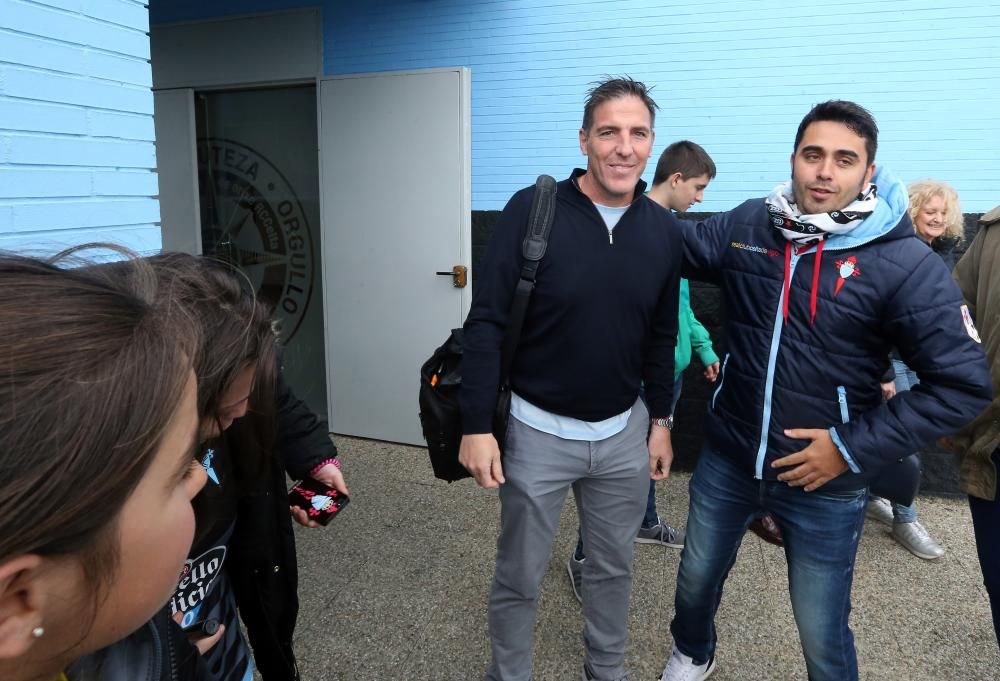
point(940, 470)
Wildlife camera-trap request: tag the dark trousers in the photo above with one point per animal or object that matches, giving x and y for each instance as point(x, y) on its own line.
point(986, 523)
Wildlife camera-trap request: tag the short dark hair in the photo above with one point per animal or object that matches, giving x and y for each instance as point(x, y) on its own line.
point(616, 88)
point(236, 328)
point(857, 118)
point(684, 157)
point(236, 332)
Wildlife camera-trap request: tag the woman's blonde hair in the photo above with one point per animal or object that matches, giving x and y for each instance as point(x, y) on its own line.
point(923, 191)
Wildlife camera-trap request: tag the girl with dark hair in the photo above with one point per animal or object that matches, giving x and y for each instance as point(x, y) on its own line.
point(235, 364)
point(98, 421)
point(254, 430)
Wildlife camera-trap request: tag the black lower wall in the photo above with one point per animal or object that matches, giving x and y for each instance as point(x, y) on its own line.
point(940, 470)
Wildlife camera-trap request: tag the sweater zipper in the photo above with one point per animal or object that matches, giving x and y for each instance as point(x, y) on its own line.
point(611, 236)
point(772, 364)
point(845, 414)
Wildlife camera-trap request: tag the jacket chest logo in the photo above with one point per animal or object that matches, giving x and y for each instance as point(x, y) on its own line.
point(846, 268)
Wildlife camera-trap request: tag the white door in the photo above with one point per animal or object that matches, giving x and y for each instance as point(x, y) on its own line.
point(395, 196)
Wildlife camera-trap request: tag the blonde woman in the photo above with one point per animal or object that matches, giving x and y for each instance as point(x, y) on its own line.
point(937, 217)
point(937, 220)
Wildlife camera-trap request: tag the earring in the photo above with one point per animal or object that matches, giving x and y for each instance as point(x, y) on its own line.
point(38, 632)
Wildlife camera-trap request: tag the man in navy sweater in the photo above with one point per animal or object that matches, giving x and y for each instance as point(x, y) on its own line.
point(602, 319)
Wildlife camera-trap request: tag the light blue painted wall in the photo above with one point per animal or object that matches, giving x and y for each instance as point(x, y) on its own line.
point(76, 125)
point(734, 75)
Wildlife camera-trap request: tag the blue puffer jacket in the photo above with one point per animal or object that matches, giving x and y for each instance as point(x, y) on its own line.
point(814, 359)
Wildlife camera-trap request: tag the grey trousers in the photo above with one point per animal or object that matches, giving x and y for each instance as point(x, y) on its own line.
point(610, 479)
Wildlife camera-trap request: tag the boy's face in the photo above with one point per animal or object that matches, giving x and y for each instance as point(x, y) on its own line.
point(686, 193)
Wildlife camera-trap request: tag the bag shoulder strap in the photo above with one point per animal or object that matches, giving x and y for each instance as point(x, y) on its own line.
point(543, 211)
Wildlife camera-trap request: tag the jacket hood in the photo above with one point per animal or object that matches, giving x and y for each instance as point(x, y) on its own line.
point(888, 217)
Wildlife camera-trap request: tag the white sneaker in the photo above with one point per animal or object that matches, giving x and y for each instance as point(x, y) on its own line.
point(680, 667)
point(879, 509)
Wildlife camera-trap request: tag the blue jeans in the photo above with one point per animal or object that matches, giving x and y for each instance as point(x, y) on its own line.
point(906, 378)
point(821, 533)
point(986, 524)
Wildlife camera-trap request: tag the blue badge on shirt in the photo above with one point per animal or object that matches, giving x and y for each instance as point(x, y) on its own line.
point(207, 463)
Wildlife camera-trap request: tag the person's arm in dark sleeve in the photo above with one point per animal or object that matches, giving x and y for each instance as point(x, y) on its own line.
point(888, 382)
point(658, 365)
point(486, 324)
point(928, 330)
point(302, 436)
point(705, 244)
point(890, 374)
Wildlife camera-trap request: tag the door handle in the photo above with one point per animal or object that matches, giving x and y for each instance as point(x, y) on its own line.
point(460, 274)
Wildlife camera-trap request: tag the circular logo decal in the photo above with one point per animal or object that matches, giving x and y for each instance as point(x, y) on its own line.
point(251, 217)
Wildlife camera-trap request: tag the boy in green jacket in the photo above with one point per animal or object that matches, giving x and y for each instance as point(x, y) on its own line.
point(683, 172)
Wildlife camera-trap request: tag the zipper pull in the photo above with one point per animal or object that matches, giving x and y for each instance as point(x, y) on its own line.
point(611, 237)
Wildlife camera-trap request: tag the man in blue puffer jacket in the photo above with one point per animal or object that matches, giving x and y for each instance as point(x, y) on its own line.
point(821, 279)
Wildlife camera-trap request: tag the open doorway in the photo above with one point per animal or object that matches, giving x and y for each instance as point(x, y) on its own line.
point(258, 190)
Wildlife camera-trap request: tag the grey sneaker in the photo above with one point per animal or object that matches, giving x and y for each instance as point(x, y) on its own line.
point(915, 539)
point(680, 667)
point(575, 569)
point(661, 533)
point(879, 509)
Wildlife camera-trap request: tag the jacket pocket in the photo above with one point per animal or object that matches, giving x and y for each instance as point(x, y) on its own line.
point(845, 414)
point(722, 380)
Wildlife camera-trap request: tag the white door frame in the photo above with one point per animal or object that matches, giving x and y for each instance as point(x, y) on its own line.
point(297, 59)
point(177, 170)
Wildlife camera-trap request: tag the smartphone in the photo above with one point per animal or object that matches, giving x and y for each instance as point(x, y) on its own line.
point(319, 502)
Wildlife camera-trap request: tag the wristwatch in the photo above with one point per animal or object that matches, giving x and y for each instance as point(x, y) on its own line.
point(667, 423)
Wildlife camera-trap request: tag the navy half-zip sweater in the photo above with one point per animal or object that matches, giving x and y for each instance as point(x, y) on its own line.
point(602, 318)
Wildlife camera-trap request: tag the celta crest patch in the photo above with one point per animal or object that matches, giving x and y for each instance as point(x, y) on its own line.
point(970, 326)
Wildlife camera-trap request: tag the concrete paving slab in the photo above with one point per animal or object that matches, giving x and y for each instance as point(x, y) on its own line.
point(397, 589)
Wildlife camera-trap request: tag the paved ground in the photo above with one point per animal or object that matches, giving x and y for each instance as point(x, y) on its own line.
point(396, 589)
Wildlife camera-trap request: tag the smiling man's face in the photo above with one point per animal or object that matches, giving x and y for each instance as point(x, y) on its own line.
point(829, 168)
point(617, 147)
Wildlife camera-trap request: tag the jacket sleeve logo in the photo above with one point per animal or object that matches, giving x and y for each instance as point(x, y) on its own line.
point(970, 326)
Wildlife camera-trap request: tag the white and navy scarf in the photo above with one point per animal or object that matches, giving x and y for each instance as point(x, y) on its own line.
point(809, 229)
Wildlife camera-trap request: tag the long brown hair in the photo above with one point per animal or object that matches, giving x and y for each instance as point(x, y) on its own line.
point(91, 374)
point(235, 331)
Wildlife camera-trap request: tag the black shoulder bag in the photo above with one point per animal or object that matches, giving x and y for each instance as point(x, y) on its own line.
point(441, 375)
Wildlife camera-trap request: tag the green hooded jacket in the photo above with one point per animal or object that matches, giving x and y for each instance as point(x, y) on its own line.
point(691, 335)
